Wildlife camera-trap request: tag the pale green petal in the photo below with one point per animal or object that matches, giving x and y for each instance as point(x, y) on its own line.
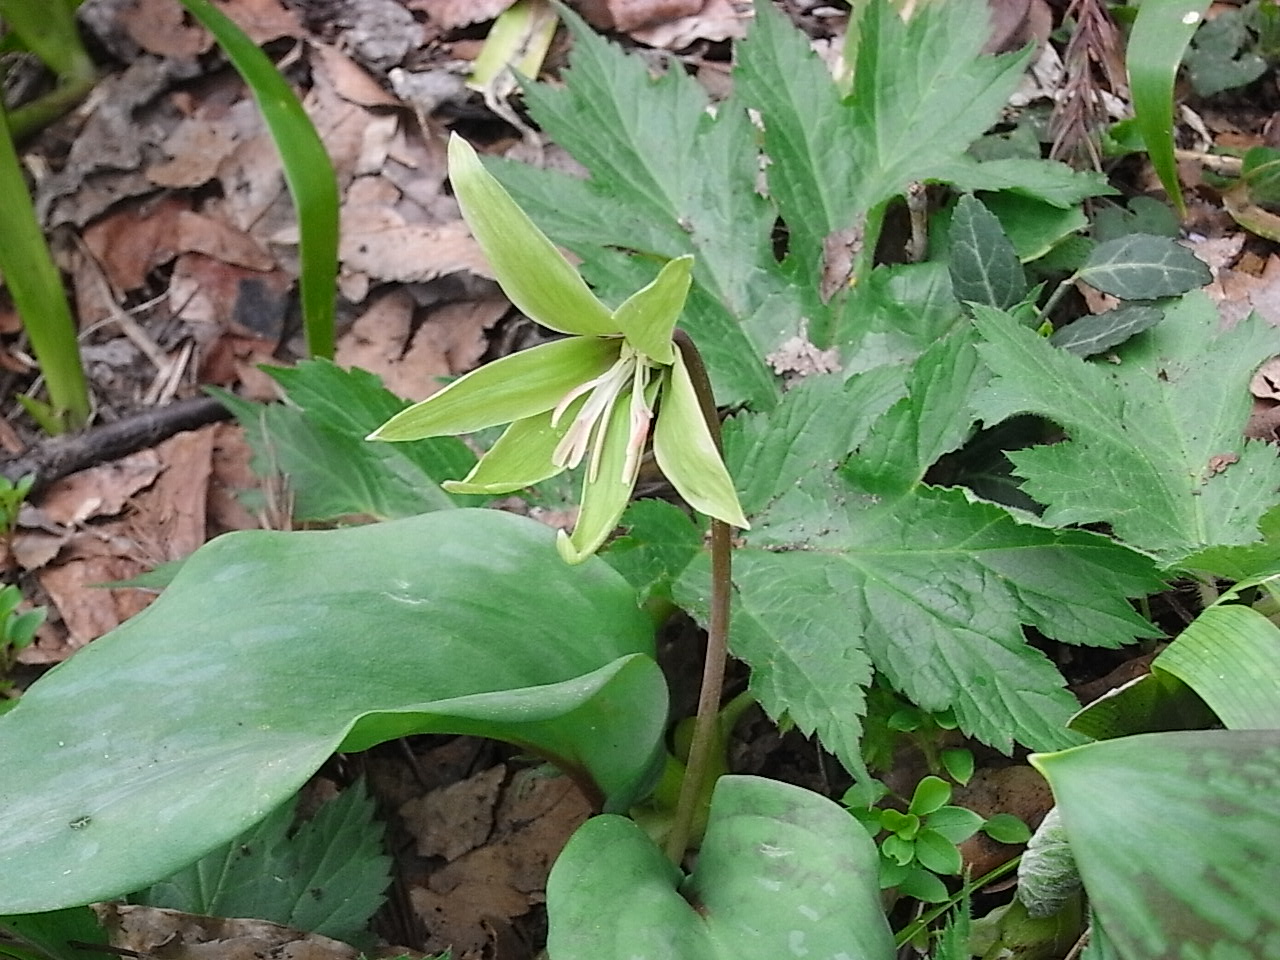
point(648, 317)
point(521, 385)
point(604, 498)
point(687, 455)
point(531, 271)
point(520, 458)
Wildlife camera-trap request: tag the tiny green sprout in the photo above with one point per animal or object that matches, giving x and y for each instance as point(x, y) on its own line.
point(12, 495)
point(587, 399)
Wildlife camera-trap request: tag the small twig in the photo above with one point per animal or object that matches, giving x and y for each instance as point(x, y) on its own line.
point(60, 456)
point(713, 669)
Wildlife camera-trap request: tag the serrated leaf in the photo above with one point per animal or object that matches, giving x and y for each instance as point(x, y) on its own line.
point(326, 878)
point(1049, 181)
point(896, 314)
point(1033, 226)
point(781, 872)
point(1157, 447)
point(317, 440)
point(659, 542)
point(270, 651)
point(927, 585)
point(1144, 267)
point(1096, 332)
point(1176, 838)
point(984, 266)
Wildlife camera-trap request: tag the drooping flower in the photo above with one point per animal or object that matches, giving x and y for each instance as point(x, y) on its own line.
point(594, 397)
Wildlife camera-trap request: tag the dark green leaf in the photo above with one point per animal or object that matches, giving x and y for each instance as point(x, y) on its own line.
point(659, 542)
point(1176, 838)
point(782, 872)
point(984, 266)
point(1098, 332)
point(1006, 828)
point(326, 878)
point(57, 935)
point(936, 853)
point(269, 651)
point(1144, 267)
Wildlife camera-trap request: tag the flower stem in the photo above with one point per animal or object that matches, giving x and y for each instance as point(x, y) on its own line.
point(704, 725)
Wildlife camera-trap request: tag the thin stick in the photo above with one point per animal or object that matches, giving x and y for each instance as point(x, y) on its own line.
point(713, 668)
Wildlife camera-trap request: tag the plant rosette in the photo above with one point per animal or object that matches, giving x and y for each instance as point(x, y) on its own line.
point(591, 397)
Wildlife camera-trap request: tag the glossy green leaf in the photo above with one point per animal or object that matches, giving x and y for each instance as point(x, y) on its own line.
point(528, 267)
point(936, 853)
point(1230, 656)
point(984, 266)
point(782, 872)
point(1157, 447)
point(1143, 267)
point(1176, 838)
point(270, 651)
point(931, 794)
point(307, 172)
point(1159, 38)
point(957, 824)
point(317, 441)
point(1034, 226)
point(1097, 332)
point(325, 875)
point(519, 385)
point(1006, 828)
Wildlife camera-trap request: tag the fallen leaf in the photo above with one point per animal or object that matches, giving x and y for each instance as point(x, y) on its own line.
point(135, 238)
point(627, 15)
point(214, 238)
point(163, 28)
point(717, 21)
point(455, 819)
point(447, 15)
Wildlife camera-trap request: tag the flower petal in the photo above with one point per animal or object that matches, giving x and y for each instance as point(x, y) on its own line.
point(528, 267)
point(605, 497)
point(647, 317)
point(520, 458)
point(515, 387)
point(687, 455)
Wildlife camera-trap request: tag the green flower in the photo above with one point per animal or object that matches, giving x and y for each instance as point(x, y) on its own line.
point(592, 397)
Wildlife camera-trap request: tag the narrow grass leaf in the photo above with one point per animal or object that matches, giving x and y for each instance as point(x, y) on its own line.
point(1160, 35)
point(307, 171)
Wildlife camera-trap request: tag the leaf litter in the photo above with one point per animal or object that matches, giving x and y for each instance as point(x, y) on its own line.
point(184, 228)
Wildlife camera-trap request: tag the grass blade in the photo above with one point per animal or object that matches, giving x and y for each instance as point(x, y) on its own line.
point(36, 287)
point(307, 171)
point(1161, 33)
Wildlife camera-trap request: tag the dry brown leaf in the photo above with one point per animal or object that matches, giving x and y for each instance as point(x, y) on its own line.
point(1018, 790)
point(156, 932)
point(214, 297)
point(1266, 382)
point(467, 901)
point(162, 27)
point(263, 20)
point(627, 15)
point(101, 491)
point(718, 20)
point(231, 475)
point(457, 818)
point(350, 80)
point(199, 145)
point(197, 233)
point(135, 238)
point(452, 14)
point(380, 244)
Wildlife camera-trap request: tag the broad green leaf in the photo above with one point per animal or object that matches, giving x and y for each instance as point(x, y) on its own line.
point(1157, 447)
point(782, 872)
point(896, 314)
point(1176, 838)
point(922, 92)
point(308, 172)
point(175, 732)
point(1143, 267)
point(325, 877)
point(1098, 332)
point(928, 585)
point(1230, 656)
point(1160, 35)
point(1220, 57)
point(1048, 181)
point(1034, 226)
point(317, 441)
point(1242, 562)
point(984, 266)
point(1153, 703)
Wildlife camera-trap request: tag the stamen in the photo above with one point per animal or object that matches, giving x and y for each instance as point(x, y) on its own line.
point(604, 391)
point(641, 416)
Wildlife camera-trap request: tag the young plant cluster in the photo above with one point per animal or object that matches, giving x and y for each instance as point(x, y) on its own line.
point(856, 388)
